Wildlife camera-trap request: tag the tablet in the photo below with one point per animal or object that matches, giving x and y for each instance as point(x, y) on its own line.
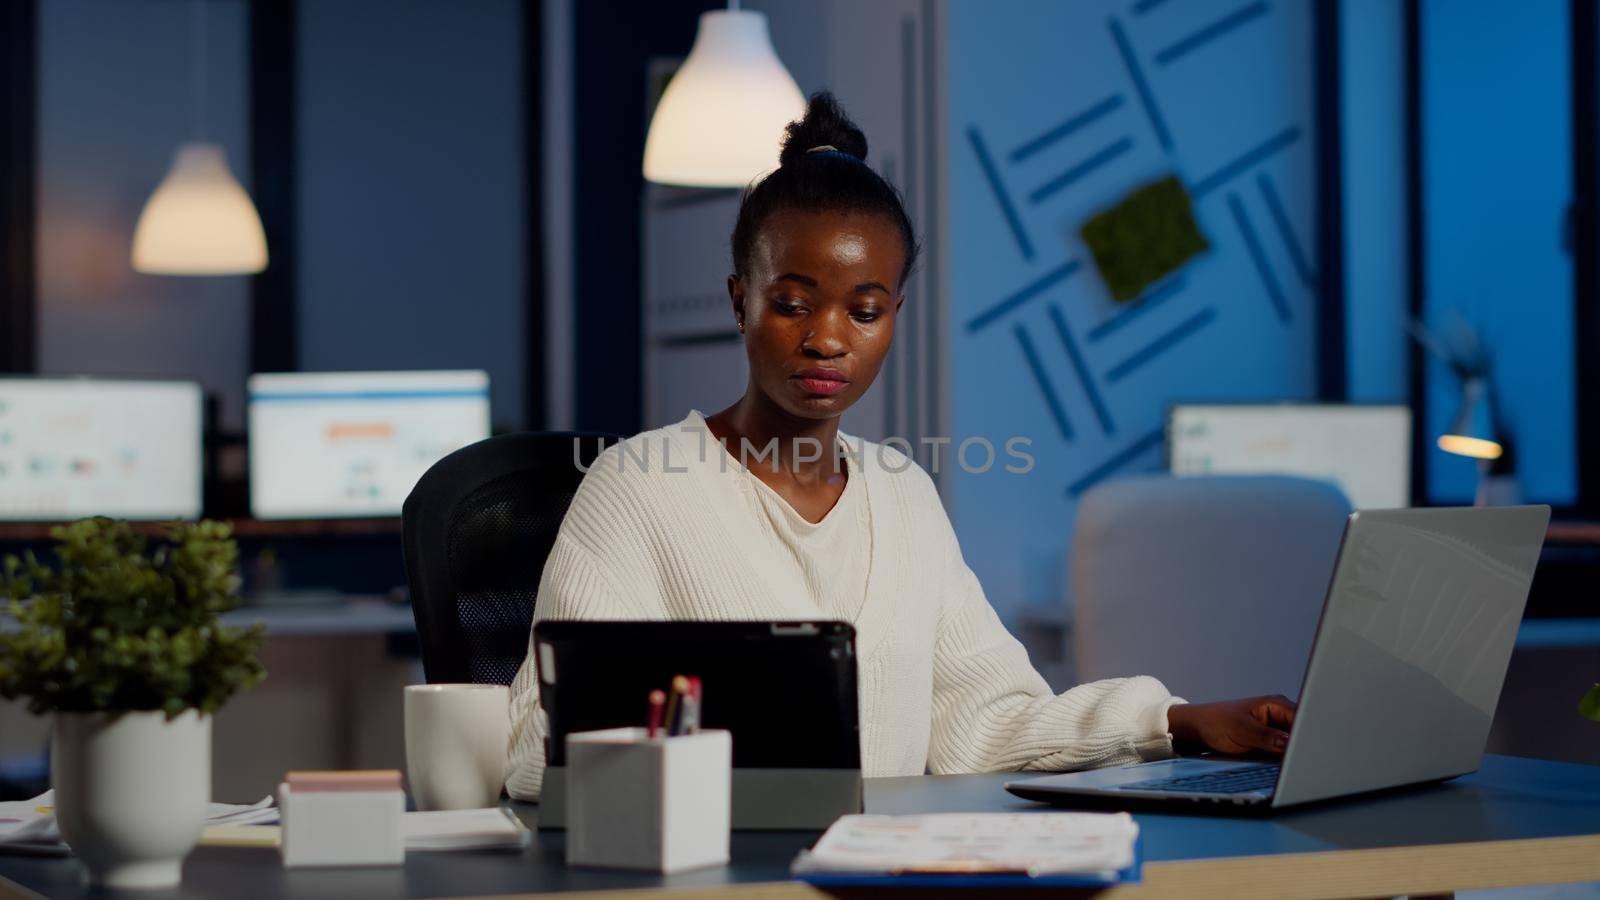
point(786, 690)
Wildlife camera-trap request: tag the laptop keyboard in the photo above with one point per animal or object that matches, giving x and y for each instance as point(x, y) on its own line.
point(1232, 781)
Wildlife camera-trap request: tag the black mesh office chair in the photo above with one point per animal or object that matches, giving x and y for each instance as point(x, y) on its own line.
point(476, 531)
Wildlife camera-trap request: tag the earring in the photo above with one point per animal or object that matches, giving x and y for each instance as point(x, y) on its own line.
point(741, 328)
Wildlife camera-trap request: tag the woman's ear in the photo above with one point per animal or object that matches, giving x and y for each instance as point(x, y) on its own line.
point(899, 302)
point(736, 294)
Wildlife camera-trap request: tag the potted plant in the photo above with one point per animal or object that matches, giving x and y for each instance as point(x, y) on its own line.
point(120, 642)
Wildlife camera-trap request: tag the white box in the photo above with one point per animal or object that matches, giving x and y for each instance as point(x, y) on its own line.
point(341, 828)
point(657, 804)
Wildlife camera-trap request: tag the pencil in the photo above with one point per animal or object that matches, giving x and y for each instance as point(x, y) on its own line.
point(658, 699)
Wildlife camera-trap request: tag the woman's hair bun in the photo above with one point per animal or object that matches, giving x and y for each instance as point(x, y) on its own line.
point(838, 181)
point(824, 125)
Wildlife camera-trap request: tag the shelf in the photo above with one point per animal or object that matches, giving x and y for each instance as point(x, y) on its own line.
point(313, 527)
point(1547, 634)
point(242, 528)
point(340, 615)
point(1573, 533)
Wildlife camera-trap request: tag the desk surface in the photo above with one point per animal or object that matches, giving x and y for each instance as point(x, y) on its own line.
point(1517, 821)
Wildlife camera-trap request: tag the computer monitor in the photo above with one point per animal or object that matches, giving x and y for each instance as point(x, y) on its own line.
point(1364, 449)
point(351, 444)
point(77, 447)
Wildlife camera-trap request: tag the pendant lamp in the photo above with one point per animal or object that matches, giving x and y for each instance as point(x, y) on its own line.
point(720, 121)
point(199, 221)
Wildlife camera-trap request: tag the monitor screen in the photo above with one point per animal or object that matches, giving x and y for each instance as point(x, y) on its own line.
point(325, 445)
point(1365, 450)
point(76, 447)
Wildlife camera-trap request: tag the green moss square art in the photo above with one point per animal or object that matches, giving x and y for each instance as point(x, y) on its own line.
point(1144, 238)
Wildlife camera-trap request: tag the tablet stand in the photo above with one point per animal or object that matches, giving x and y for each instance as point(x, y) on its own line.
point(763, 799)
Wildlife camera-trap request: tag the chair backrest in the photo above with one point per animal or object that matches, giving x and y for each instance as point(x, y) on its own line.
point(476, 531)
point(1212, 584)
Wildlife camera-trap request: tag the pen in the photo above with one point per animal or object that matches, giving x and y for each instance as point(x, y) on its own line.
point(670, 718)
point(692, 720)
point(658, 699)
point(680, 699)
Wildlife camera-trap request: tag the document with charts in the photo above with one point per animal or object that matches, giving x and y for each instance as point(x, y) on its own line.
point(1099, 845)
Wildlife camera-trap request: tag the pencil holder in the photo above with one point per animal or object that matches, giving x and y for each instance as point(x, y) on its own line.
point(653, 804)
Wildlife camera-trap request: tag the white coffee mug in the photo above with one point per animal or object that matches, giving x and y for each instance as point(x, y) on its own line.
point(456, 736)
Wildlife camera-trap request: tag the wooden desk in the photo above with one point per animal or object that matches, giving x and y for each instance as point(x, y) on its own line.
point(1516, 822)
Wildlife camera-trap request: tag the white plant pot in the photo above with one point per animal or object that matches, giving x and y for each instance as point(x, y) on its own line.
point(131, 793)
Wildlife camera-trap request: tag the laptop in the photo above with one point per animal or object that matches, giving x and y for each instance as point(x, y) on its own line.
point(1417, 629)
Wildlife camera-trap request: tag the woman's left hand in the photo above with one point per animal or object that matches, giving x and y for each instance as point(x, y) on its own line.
point(1234, 726)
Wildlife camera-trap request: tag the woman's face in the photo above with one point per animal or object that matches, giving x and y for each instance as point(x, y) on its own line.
point(818, 305)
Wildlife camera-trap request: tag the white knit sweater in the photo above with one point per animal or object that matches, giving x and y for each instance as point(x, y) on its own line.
point(832, 557)
point(662, 528)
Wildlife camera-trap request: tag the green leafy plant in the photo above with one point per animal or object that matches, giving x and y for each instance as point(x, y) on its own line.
point(1589, 706)
point(1145, 237)
point(124, 622)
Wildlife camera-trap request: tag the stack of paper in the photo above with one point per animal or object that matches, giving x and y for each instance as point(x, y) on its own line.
point(261, 812)
point(493, 828)
point(463, 829)
point(29, 826)
point(1098, 845)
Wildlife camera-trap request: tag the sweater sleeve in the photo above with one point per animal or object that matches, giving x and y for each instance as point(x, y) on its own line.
point(575, 585)
point(992, 711)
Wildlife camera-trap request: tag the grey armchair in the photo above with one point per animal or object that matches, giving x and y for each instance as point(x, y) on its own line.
point(1212, 584)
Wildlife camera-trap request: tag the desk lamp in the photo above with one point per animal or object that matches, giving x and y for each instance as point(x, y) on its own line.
point(1476, 432)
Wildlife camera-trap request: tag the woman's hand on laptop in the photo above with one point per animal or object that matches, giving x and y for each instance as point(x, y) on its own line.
point(1234, 726)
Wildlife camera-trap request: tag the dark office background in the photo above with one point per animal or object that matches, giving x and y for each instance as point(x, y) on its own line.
point(456, 184)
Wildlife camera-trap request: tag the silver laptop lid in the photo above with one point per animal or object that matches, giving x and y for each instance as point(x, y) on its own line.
point(1409, 658)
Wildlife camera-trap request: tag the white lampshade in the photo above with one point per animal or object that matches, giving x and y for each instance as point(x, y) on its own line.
point(199, 221)
point(720, 121)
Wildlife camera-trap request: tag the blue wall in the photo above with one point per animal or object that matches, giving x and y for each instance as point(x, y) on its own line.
point(411, 239)
point(1106, 96)
point(1497, 182)
point(1376, 219)
point(411, 235)
point(116, 89)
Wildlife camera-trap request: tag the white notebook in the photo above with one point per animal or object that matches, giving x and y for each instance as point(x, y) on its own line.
point(492, 828)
